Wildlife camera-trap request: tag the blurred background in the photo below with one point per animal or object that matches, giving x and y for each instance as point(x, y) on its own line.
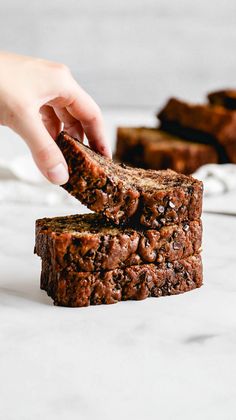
point(131, 56)
point(132, 53)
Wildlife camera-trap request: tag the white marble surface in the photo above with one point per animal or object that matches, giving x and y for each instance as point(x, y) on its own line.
point(170, 358)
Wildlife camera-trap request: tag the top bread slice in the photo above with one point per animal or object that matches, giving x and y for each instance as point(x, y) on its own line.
point(210, 124)
point(225, 98)
point(129, 195)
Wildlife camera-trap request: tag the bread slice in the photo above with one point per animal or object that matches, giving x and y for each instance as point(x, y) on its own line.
point(76, 289)
point(123, 194)
point(225, 98)
point(152, 148)
point(213, 125)
point(87, 243)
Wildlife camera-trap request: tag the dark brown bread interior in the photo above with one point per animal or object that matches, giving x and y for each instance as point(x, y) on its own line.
point(87, 243)
point(225, 98)
point(152, 148)
point(76, 289)
point(129, 195)
point(213, 125)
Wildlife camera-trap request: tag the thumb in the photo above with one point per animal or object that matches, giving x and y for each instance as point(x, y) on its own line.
point(45, 151)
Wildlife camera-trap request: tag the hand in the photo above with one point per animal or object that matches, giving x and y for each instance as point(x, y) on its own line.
point(36, 98)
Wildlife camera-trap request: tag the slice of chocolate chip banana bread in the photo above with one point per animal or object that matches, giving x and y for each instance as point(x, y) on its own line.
point(152, 148)
point(129, 195)
point(87, 243)
point(208, 124)
point(68, 288)
point(225, 98)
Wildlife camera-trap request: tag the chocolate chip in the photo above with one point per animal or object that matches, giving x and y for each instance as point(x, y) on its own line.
point(171, 204)
point(186, 227)
point(148, 278)
point(156, 291)
point(161, 209)
point(144, 276)
point(189, 282)
point(155, 223)
point(179, 267)
point(90, 253)
point(160, 258)
point(147, 243)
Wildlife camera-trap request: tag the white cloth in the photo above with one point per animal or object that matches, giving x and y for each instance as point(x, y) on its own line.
point(217, 179)
point(22, 182)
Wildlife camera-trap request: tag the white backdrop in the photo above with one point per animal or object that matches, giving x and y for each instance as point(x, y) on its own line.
point(129, 52)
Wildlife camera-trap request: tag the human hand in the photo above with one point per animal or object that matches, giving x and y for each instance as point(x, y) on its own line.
point(36, 98)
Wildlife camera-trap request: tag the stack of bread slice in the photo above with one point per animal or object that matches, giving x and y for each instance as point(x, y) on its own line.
point(144, 238)
point(188, 136)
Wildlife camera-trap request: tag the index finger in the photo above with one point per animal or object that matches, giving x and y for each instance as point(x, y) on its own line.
point(84, 109)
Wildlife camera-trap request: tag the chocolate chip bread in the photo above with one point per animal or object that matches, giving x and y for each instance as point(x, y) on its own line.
point(129, 195)
point(87, 243)
point(76, 289)
point(212, 125)
point(225, 98)
point(152, 148)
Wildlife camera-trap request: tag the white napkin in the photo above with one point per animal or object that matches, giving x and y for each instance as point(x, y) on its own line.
point(22, 168)
point(22, 182)
point(217, 179)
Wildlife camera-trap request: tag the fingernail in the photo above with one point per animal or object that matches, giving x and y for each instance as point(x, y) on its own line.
point(106, 151)
point(58, 174)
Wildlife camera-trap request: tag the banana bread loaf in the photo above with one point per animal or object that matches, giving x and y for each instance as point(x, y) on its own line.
point(152, 148)
point(225, 98)
point(123, 194)
point(75, 289)
point(87, 243)
point(213, 125)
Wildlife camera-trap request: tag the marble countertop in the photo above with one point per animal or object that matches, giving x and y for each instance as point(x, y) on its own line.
point(167, 358)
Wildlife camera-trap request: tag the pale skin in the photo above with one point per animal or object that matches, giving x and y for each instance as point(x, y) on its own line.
point(37, 99)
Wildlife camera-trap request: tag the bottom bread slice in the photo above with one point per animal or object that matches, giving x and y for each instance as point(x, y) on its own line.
point(76, 289)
